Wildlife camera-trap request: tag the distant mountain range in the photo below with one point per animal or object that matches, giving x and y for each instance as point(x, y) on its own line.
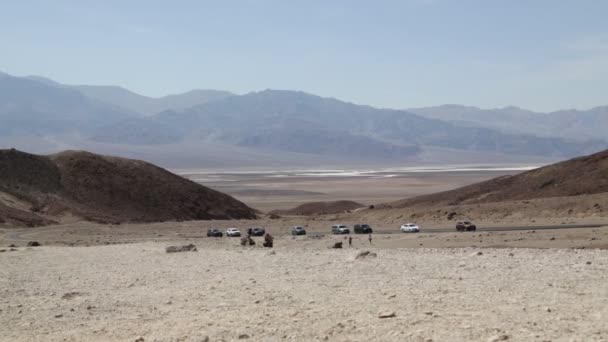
point(279, 125)
point(581, 125)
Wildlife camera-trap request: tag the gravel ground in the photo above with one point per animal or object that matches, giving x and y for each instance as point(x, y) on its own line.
point(225, 292)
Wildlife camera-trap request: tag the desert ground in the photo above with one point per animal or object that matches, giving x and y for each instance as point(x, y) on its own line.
point(512, 280)
point(301, 290)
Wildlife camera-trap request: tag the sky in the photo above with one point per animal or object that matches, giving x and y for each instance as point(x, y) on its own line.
point(536, 54)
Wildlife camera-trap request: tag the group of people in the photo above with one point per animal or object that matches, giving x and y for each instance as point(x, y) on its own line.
point(268, 239)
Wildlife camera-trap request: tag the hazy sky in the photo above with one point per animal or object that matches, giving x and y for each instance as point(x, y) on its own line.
point(540, 55)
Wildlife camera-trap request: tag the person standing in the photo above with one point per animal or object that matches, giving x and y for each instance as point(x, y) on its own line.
point(370, 238)
point(350, 241)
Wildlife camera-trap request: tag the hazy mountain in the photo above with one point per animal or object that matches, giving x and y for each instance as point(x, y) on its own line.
point(300, 122)
point(30, 106)
point(150, 105)
point(572, 124)
point(273, 126)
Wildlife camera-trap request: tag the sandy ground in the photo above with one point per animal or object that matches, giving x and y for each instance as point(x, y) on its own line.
point(226, 292)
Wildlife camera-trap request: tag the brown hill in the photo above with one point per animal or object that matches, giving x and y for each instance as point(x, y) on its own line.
point(37, 190)
point(579, 176)
point(320, 208)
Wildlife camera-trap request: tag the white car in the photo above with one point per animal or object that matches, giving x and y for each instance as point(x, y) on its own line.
point(410, 228)
point(233, 232)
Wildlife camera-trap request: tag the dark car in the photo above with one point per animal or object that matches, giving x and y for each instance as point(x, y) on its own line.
point(363, 229)
point(298, 231)
point(214, 233)
point(465, 226)
point(258, 232)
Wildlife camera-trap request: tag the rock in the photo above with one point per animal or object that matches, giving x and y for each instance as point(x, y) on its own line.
point(365, 254)
point(184, 248)
point(70, 295)
point(498, 338)
point(452, 215)
point(33, 244)
point(337, 245)
point(13, 250)
point(588, 262)
point(2, 250)
point(553, 238)
point(139, 339)
point(271, 253)
point(386, 314)
point(243, 336)
point(12, 245)
point(477, 253)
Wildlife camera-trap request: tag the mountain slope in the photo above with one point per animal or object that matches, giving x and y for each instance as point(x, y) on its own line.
point(31, 107)
point(39, 189)
point(579, 176)
point(149, 105)
point(300, 122)
point(573, 124)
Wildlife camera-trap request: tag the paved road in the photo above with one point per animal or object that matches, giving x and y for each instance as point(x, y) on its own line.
point(18, 235)
point(496, 229)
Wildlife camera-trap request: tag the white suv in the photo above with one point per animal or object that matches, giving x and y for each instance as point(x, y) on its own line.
point(340, 229)
point(233, 232)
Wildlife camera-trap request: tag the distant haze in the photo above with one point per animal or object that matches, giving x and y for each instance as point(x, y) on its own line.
point(279, 128)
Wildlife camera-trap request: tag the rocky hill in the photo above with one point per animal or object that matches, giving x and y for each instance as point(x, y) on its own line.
point(37, 190)
point(321, 208)
point(579, 176)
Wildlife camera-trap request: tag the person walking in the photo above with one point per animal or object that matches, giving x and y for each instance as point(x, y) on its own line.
point(370, 238)
point(350, 241)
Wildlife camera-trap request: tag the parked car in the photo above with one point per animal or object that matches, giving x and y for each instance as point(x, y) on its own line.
point(297, 230)
point(363, 229)
point(258, 232)
point(467, 226)
point(214, 233)
point(233, 232)
point(410, 228)
point(340, 229)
